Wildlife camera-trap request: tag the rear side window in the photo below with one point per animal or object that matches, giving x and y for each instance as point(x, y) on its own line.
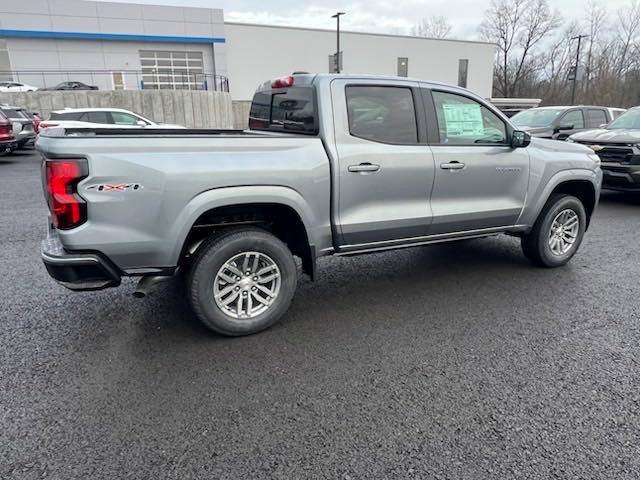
point(285, 110)
point(65, 116)
point(595, 118)
point(96, 117)
point(382, 114)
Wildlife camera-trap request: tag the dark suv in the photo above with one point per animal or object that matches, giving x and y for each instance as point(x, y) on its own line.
point(558, 123)
point(22, 124)
point(618, 146)
point(7, 140)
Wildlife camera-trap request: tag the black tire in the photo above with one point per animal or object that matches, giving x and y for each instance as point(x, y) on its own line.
point(210, 258)
point(535, 245)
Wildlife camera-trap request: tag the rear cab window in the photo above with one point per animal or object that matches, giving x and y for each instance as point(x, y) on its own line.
point(291, 109)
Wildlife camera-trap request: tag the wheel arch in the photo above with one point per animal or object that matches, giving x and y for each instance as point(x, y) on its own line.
point(279, 210)
point(582, 184)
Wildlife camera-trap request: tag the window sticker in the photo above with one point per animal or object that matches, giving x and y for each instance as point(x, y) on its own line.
point(463, 119)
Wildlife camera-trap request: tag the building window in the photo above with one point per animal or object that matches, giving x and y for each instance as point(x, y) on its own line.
point(463, 72)
point(403, 67)
point(166, 70)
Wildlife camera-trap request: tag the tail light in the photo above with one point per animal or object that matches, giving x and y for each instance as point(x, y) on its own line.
point(6, 129)
point(47, 124)
point(68, 209)
point(282, 82)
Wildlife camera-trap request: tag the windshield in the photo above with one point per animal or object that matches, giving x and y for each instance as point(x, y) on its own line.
point(631, 119)
point(536, 117)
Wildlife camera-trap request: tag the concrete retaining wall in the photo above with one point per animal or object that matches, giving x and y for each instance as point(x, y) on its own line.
point(241, 114)
point(193, 109)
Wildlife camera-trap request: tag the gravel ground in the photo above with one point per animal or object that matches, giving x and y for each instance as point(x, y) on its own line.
point(457, 361)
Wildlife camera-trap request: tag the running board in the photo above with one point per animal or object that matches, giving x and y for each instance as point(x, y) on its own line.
point(348, 250)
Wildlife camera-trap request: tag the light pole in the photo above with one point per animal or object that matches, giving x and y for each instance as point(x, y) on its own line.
point(337, 17)
point(575, 74)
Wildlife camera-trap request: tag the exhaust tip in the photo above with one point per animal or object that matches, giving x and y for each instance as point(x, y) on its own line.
point(139, 294)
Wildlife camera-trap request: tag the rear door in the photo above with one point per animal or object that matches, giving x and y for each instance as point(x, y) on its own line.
point(597, 117)
point(386, 170)
point(480, 180)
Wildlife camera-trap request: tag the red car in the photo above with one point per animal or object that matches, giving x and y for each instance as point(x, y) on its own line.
point(7, 139)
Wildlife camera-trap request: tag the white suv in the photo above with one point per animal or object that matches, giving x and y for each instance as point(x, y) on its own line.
point(99, 118)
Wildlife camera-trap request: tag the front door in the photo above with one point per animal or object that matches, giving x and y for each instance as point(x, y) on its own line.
point(480, 180)
point(386, 170)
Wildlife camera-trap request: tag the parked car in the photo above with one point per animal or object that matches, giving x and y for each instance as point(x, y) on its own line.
point(618, 146)
point(334, 165)
point(72, 86)
point(7, 139)
point(22, 124)
point(16, 87)
point(99, 118)
point(559, 123)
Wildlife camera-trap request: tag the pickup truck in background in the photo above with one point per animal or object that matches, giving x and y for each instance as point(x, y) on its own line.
point(559, 123)
point(331, 165)
point(618, 146)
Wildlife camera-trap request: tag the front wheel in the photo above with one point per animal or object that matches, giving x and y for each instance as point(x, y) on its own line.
point(558, 232)
point(242, 281)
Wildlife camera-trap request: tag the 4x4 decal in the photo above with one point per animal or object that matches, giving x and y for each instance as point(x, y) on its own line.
point(120, 187)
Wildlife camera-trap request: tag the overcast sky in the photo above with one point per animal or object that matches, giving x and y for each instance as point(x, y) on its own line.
point(382, 16)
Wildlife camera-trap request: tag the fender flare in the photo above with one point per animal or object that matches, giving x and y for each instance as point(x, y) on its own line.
point(530, 215)
point(240, 195)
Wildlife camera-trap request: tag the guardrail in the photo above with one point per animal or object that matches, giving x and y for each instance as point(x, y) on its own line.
point(158, 79)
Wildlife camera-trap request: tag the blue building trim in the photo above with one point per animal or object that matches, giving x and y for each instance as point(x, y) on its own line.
point(107, 36)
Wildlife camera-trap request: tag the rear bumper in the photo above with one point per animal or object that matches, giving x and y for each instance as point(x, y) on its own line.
point(621, 177)
point(77, 271)
point(25, 139)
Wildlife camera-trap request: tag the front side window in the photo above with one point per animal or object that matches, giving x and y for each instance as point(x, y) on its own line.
point(120, 118)
point(382, 114)
point(574, 118)
point(536, 117)
point(463, 121)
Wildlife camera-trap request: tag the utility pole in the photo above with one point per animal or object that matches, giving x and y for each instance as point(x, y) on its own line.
point(338, 55)
point(575, 74)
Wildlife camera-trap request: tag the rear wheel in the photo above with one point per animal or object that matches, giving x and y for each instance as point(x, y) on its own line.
point(558, 232)
point(242, 281)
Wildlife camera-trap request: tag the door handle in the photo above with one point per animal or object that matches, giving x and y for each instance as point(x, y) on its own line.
point(365, 167)
point(455, 165)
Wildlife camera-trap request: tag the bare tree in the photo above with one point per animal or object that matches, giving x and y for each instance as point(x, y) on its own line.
point(596, 20)
point(517, 27)
point(432, 27)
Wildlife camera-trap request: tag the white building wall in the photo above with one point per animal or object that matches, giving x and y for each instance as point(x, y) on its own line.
point(35, 54)
point(256, 53)
point(100, 19)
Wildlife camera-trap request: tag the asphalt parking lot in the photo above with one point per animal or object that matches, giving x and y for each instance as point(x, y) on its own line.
point(458, 361)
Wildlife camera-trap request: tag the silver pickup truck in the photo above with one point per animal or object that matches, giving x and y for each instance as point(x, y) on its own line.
point(331, 165)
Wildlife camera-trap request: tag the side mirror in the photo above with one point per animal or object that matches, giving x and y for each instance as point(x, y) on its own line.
point(520, 139)
point(141, 123)
point(604, 125)
point(560, 128)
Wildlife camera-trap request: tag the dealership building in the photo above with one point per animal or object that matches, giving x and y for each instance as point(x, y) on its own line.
point(133, 46)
